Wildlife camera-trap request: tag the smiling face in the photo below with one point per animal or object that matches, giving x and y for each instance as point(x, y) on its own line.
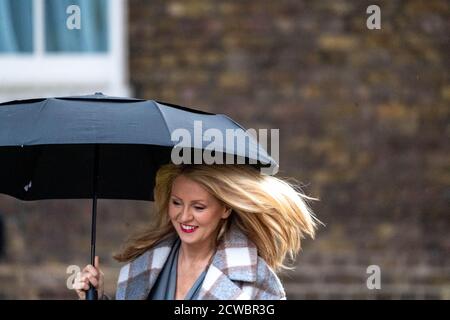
point(194, 212)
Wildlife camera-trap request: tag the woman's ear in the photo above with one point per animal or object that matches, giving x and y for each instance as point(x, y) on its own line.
point(226, 213)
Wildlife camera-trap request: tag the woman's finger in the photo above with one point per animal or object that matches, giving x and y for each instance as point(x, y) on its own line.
point(97, 262)
point(85, 277)
point(93, 281)
point(85, 269)
point(92, 270)
point(81, 286)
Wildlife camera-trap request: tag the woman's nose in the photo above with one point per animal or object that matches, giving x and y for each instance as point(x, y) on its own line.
point(184, 215)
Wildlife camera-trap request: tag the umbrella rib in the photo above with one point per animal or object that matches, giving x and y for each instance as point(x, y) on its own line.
point(162, 115)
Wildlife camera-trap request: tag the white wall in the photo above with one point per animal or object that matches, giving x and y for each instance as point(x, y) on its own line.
point(44, 75)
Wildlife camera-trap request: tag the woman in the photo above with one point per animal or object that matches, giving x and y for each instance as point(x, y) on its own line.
point(221, 232)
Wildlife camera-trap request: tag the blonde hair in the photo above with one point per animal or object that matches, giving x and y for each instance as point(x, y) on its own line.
point(271, 211)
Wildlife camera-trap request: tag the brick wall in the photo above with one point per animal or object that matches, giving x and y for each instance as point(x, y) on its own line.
point(363, 118)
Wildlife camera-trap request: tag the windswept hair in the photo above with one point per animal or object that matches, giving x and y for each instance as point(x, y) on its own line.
point(271, 211)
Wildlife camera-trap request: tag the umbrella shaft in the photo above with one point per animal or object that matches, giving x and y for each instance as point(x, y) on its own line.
point(94, 203)
point(93, 228)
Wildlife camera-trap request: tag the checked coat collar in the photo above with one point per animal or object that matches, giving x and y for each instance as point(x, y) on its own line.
point(236, 271)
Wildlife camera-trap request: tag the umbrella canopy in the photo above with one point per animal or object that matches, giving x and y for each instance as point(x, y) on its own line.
point(48, 147)
point(103, 147)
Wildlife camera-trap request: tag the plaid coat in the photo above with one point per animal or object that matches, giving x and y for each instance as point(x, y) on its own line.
point(236, 272)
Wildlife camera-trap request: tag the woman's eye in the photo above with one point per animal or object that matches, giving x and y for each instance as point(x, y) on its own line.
point(175, 203)
point(199, 208)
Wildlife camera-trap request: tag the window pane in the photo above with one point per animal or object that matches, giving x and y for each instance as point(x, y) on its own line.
point(92, 35)
point(16, 26)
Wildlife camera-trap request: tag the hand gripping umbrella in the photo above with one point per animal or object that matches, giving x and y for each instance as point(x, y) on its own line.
point(98, 146)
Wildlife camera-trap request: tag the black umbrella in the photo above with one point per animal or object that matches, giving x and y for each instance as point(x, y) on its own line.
point(98, 146)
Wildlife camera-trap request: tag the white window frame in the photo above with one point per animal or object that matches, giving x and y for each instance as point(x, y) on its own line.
point(41, 73)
